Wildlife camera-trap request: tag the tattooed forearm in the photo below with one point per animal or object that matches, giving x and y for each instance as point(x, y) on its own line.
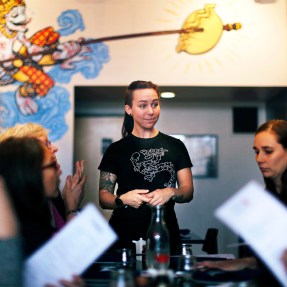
point(107, 181)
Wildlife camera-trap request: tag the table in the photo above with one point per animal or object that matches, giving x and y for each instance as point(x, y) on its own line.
point(99, 274)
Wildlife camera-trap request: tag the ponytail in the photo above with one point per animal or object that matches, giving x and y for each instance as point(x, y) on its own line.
point(128, 125)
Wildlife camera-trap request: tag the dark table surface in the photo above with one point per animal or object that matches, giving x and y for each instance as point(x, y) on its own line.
point(100, 272)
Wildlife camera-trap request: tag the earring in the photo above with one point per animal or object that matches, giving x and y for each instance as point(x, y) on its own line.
point(131, 114)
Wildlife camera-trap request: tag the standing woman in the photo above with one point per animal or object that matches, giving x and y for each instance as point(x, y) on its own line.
point(146, 164)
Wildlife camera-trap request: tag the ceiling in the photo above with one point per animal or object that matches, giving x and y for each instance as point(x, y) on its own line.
point(89, 97)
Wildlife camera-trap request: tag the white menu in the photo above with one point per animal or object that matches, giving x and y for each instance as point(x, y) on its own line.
point(261, 220)
point(71, 250)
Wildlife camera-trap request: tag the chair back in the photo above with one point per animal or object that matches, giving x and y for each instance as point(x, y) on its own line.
point(210, 241)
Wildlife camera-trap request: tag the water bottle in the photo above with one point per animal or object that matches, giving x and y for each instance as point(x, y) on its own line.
point(157, 242)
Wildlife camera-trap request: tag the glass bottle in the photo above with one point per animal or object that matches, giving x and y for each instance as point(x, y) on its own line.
point(157, 242)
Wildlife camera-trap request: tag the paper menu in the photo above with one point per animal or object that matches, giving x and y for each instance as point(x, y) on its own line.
point(70, 251)
point(261, 220)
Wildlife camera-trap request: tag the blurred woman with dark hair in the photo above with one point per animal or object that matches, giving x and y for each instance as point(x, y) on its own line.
point(32, 177)
point(270, 147)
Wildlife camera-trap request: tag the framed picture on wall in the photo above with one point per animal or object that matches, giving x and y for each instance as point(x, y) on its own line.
point(106, 142)
point(203, 151)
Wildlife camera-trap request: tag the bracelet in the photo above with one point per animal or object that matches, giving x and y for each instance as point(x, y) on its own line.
point(72, 211)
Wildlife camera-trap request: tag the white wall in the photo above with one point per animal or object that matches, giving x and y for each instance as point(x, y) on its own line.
point(236, 160)
point(236, 164)
point(88, 135)
point(253, 56)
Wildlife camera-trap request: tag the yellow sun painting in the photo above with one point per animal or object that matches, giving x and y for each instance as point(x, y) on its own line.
point(199, 47)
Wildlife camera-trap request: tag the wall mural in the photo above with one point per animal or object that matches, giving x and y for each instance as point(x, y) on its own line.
point(206, 39)
point(37, 97)
point(45, 60)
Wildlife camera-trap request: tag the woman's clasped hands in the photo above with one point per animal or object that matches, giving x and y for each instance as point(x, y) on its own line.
point(160, 196)
point(137, 197)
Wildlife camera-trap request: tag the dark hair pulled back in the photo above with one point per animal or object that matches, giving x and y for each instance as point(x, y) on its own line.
point(128, 123)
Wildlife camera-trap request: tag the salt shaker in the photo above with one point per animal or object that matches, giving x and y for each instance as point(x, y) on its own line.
point(139, 248)
point(186, 249)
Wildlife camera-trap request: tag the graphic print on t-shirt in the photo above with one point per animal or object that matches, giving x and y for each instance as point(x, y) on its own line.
point(148, 163)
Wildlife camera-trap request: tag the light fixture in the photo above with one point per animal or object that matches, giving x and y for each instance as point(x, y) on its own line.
point(167, 95)
point(265, 1)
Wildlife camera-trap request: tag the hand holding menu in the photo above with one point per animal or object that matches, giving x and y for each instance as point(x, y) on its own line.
point(261, 220)
point(70, 251)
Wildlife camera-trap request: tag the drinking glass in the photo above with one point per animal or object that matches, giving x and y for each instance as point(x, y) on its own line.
point(125, 257)
point(122, 278)
point(186, 263)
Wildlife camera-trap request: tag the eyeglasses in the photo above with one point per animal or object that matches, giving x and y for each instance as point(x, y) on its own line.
point(48, 144)
point(51, 165)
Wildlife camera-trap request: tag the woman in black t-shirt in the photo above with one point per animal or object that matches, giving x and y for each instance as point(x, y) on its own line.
point(146, 164)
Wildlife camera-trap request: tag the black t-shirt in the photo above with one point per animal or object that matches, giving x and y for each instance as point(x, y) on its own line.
point(144, 164)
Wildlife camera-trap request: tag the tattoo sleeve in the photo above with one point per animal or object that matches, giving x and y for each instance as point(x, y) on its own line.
point(107, 181)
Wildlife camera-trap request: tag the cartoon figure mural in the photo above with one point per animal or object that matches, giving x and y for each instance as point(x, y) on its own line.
point(29, 70)
point(25, 66)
